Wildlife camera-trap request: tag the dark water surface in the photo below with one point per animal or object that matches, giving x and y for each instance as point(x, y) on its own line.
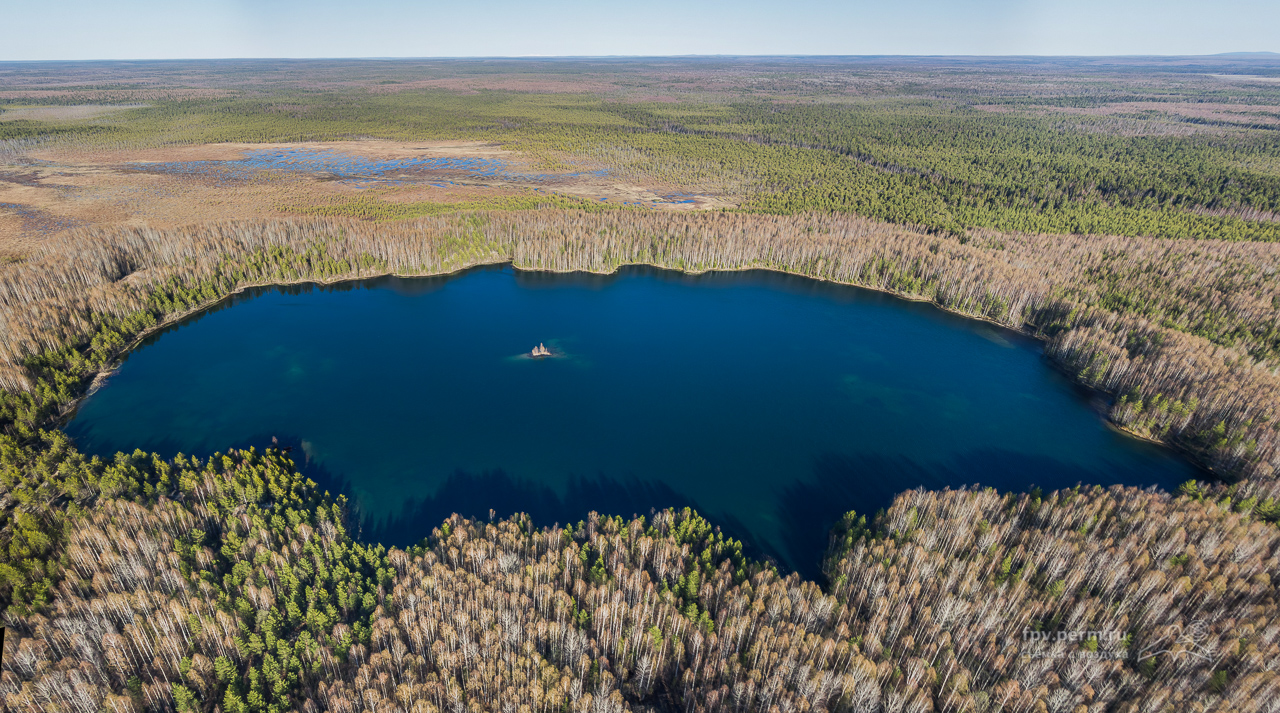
point(771, 403)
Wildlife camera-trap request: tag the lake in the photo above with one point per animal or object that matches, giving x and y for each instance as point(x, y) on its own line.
point(770, 403)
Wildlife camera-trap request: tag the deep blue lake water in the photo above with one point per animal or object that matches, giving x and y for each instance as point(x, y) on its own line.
point(770, 403)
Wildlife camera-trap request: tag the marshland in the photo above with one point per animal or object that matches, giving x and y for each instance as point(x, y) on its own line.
point(316, 477)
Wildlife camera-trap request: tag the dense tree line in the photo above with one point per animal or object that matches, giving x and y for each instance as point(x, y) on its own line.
point(953, 169)
point(231, 584)
point(1020, 160)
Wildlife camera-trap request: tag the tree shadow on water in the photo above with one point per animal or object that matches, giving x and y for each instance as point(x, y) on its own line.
point(475, 494)
point(868, 482)
point(805, 509)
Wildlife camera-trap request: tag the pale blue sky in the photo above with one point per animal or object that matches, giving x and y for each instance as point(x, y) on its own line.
point(132, 29)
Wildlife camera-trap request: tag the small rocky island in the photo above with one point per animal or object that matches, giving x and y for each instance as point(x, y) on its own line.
point(540, 351)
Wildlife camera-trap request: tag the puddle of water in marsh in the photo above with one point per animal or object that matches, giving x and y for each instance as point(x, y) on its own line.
point(360, 171)
point(39, 222)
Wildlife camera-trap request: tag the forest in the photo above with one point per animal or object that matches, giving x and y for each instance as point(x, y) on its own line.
point(231, 584)
point(1153, 153)
point(1125, 214)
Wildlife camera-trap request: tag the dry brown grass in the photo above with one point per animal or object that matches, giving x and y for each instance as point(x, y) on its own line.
point(79, 112)
point(78, 185)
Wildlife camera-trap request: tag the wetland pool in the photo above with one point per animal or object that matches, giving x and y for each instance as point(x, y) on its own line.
point(770, 403)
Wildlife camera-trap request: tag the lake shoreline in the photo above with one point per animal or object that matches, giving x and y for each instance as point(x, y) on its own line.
point(709, 391)
point(100, 378)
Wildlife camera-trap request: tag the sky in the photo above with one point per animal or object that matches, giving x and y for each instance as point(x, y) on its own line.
point(177, 29)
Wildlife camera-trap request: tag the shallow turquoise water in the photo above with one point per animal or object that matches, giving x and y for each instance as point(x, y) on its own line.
point(771, 403)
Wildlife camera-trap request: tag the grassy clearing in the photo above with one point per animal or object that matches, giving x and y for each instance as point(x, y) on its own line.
point(375, 208)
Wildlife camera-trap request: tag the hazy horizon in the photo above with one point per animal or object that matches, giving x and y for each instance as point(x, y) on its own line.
point(387, 29)
point(793, 55)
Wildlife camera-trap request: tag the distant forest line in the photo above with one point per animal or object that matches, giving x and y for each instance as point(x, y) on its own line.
point(1110, 150)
